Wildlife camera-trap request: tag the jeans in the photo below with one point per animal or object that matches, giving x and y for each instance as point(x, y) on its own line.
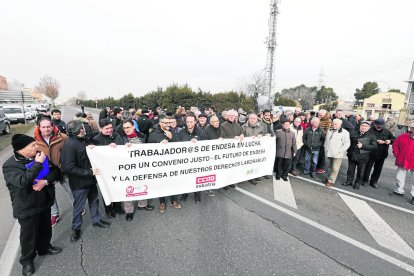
point(311, 161)
point(400, 181)
point(80, 196)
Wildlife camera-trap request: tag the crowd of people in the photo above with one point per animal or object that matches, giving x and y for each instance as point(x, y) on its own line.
point(307, 143)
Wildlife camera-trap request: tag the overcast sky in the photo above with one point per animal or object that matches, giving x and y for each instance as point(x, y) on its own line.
point(110, 48)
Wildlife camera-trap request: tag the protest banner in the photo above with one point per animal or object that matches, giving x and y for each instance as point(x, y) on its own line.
point(144, 171)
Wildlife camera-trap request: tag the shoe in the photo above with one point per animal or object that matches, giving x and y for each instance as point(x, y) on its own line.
point(210, 193)
point(28, 270)
point(373, 185)
point(147, 208)
point(183, 197)
point(312, 175)
point(232, 186)
point(397, 193)
point(101, 224)
point(54, 220)
point(176, 204)
point(284, 178)
point(226, 188)
point(253, 181)
point(346, 184)
point(258, 179)
point(329, 183)
point(53, 250)
point(277, 177)
point(294, 173)
point(364, 184)
point(320, 171)
point(119, 211)
point(83, 212)
point(356, 185)
point(197, 199)
point(162, 208)
point(267, 177)
point(110, 214)
point(76, 234)
point(129, 216)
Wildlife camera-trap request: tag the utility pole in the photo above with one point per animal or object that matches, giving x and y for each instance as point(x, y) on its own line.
point(271, 46)
point(320, 81)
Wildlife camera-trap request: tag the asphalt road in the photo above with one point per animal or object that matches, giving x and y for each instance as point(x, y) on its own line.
point(244, 231)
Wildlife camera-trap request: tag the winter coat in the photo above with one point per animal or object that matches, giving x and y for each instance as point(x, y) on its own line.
point(337, 142)
point(140, 139)
point(185, 135)
point(144, 124)
point(212, 133)
point(255, 130)
point(76, 164)
point(382, 149)
point(104, 140)
point(403, 148)
point(351, 120)
point(53, 149)
point(269, 127)
point(313, 140)
point(369, 143)
point(157, 136)
point(27, 202)
point(325, 123)
point(285, 143)
point(298, 135)
point(230, 130)
point(61, 125)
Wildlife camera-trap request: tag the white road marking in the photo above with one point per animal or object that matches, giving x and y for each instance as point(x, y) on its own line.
point(383, 234)
point(10, 251)
point(360, 196)
point(283, 192)
point(338, 235)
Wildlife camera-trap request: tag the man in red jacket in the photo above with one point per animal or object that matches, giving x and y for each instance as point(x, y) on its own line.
point(403, 148)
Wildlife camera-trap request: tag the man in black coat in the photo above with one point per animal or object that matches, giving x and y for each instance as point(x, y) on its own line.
point(30, 182)
point(191, 133)
point(107, 137)
point(362, 144)
point(384, 139)
point(82, 181)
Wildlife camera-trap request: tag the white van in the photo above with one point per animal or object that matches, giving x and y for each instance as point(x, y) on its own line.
point(14, 113)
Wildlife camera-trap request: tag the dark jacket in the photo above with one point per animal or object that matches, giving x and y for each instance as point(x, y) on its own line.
point(382, 149)
point(76, 164)
point(27, 202)
point(61, 125)
point(104, 140)
point(230, 130)
point(212, 133)
point(285, 143)
point(144, 124)
point(369, 144)
point(103, 114)
point(185, 135)
point(158, 135)
point(313, 140)
point(140, 139)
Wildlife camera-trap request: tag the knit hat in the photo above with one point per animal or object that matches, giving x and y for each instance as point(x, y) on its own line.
point(20, 141)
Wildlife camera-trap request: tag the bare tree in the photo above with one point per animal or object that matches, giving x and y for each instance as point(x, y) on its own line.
point(254, 87)
point(50, 87)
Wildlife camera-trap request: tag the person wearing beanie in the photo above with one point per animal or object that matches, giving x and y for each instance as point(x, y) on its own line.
point(30, 177)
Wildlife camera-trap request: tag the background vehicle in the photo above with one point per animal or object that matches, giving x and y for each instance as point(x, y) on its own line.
point(15, 113)
point(4, 123)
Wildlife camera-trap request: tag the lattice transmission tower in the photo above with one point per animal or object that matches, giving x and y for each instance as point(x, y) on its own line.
point(271, 46)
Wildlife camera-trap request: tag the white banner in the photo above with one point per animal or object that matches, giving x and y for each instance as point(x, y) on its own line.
point(145, 171)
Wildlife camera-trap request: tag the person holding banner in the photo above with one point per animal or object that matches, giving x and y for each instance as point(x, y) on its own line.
point(82, 181)
point(191, 133)
point(230, 129)
point(253, 128)
point(162, 134)
point(129, 137)
point(29, 178)
point(106, 137)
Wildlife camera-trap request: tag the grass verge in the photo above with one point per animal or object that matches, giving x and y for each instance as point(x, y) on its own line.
point(5, 139)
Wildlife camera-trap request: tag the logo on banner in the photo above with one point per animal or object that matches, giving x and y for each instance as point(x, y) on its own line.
point(251, 171)
point(136, 191)
point(206, 181)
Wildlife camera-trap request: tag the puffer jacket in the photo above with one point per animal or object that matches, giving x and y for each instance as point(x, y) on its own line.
point(337, 142)
point(53, 149)
point(403, 148)
point(27, 202)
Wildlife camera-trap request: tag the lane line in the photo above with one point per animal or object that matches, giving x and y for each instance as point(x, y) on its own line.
point(283, 192)
point(332, 232)
point(10, 251)
point(383, 234)
point(360, 196)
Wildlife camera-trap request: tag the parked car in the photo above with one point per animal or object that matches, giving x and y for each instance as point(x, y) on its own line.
point(4, 123)
point(14, 113)
point(30, 113)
